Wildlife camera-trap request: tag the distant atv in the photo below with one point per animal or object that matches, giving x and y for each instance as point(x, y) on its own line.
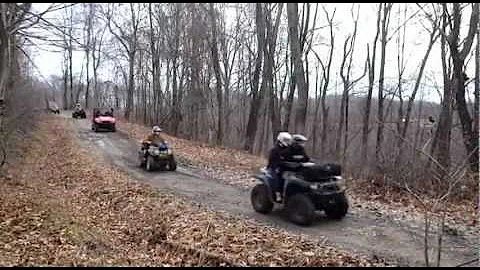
point(79, 112)
point(103, 120)
point(307, 188)
point(153, 156)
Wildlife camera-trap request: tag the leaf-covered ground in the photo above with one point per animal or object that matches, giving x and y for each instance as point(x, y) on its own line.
point(63, 206)
point(235, 167)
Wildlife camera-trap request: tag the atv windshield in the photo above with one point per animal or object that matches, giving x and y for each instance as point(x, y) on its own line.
point(99, 112)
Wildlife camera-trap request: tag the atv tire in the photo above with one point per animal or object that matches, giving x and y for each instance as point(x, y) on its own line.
point(338, 208)
point(301, 209)
point(172, 165)
point(260, 199)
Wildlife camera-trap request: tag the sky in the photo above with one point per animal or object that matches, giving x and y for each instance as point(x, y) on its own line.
point(50, 63)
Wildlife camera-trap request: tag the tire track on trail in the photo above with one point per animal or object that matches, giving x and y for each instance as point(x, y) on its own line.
point(361, 231)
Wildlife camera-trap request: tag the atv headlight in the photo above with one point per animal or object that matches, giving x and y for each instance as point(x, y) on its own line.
point(314, 186)
point(156, 152)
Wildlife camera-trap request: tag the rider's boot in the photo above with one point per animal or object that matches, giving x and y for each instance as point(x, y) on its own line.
point(278, 196)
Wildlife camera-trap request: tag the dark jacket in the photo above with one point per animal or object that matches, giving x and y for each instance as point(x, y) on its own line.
point(297, 153)
point(278, 155)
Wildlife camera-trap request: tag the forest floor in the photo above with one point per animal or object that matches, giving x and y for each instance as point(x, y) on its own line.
point(75, 197)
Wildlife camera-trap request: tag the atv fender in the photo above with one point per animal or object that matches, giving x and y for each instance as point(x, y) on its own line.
point(293, 185)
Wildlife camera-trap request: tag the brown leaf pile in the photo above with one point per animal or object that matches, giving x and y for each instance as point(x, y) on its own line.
point(64, 206)
point(235, 167)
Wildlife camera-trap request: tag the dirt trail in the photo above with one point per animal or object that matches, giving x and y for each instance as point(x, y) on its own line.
point(360, 231)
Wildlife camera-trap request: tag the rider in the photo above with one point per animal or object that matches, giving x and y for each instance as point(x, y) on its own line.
point(279, 153)
point(297, 148)
point(155, 137)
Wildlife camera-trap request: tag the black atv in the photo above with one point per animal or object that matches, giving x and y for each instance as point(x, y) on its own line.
point(308, 187)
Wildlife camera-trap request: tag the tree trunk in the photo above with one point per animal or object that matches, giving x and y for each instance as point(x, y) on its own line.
point(476, 104)
point(218, 78)
point(291, 94)
point(371, 80)
point(301, 112)
point(176, 90)
point(131, 85)
point(445, 119)
point(316, 114)
point(256, 96)
point(338, 137)
point(87, 51)
point(65, 84)
point(458, 57)
point(70, 69)
point(380, 113)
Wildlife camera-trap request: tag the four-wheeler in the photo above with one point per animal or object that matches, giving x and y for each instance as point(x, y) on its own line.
point(79, 112)
point(154, 156)
point(103, 119)
point(308, 187)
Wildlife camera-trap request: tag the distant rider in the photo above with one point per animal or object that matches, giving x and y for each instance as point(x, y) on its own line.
point(155, 137)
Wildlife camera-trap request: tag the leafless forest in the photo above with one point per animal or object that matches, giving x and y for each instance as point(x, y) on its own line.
point(235, 75)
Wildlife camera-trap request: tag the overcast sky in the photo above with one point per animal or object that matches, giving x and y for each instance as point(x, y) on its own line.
point(50, 63)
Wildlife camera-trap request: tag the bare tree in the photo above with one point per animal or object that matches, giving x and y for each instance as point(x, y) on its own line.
point(459, 78)
point(97, 42)
point(127, 36)
point(268, 71)
point(301, 111)
point(255, 93)
point(218, 77)
point(443, 133)
point(348, 83)
point(326, 79)
point(371, 80)
point(380, 114)
point(476, 105)
point(434, 34)
point(88, 43)
point(230, 48)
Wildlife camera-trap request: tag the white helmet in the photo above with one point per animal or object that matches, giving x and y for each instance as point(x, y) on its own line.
point(284, 139)
point(299, 139)
point(156, 129)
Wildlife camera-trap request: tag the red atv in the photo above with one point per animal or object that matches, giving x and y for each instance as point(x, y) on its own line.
point(103, 119)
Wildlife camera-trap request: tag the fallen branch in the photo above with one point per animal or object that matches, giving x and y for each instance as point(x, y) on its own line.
point(467, 263)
